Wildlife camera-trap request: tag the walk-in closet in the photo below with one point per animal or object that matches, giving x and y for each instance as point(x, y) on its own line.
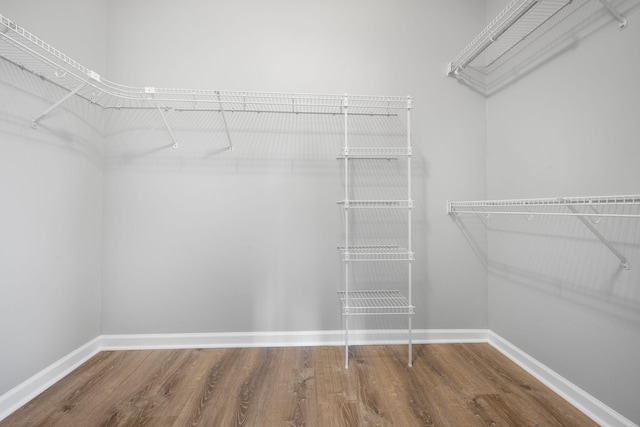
point(362, 212)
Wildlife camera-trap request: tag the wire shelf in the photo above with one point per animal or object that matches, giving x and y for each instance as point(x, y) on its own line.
point(527, 34)
point(374, 152)
point(25, 50)
point(576, 206)
point(376, 204)
point(374, 302)
point(376, 253)
point(519, 19)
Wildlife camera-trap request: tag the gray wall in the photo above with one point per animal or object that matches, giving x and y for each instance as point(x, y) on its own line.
point(570, 128)
point(51, 198)
point(202, 240)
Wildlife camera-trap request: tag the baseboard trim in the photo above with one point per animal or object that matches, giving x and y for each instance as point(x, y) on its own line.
point(592, 407)
point(32, 387)
point(288, 339)
point(27, 390)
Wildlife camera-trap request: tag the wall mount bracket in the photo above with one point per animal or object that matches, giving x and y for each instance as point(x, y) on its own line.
point(622, 21)
point(34, 122)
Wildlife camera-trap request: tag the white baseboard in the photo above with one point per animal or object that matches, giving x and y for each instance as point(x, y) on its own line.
point(27, 390)
point(592, 407)
point(23, 393)
point(288, 339)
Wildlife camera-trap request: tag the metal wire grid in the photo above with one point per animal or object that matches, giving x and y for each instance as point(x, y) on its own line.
point(374, 302)
point(594, 206)
point(376, 204)
point(376, 253)
point(519, 19)
point(373, 152)
point(32, 54)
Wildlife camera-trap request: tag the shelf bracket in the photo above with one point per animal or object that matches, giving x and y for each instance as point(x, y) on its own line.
point(624, 263)
point(224, 120)
point(164, 119)
point(622, 21)
point(35, 121)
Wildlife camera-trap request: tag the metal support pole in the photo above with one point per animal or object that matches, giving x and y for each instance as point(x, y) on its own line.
point(224, 120)
point(56, 105)
point(409, 240)
point(621, 19)
point(173, 138)
point(346, 233)
point(623, 260)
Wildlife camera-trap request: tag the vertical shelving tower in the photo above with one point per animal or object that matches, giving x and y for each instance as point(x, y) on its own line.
point(356, 301)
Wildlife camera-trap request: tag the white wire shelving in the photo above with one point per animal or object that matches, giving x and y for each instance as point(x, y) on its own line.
point(355, 300)
point(513, 24)
point(590, 210)
point(374, 152)
point(32, 54)
point(375, 302)
point(520, 21)
point(588, 206)
point(377, 204)
point(376, 253)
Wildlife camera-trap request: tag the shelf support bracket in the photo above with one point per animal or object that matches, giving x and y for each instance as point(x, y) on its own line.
point(624, 263)
point(164, 119)
point(35, 121)
point(621, 19)
point(224, 120)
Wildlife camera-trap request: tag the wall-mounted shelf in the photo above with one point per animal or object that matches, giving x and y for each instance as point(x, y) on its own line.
point(589, 206)
point(31, 54)
point(531, 30)
point(519, 19)
point(592, 207)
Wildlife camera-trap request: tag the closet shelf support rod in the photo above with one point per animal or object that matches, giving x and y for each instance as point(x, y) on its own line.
point(224, 120)
point(164, 119)
point(57, 104)
point(624, 263)
point(621, 19)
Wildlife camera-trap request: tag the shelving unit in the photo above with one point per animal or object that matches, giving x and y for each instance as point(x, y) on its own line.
point(354, 300)
point(542, 28)
point(588, 204)
point(592, 207)
point(33, 55)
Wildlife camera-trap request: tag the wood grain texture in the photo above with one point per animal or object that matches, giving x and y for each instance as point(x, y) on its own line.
point(448, 385)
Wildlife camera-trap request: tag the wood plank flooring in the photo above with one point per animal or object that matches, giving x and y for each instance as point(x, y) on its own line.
point(448, 385)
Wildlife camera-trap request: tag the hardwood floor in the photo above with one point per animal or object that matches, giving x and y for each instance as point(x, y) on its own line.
point(448, 385)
